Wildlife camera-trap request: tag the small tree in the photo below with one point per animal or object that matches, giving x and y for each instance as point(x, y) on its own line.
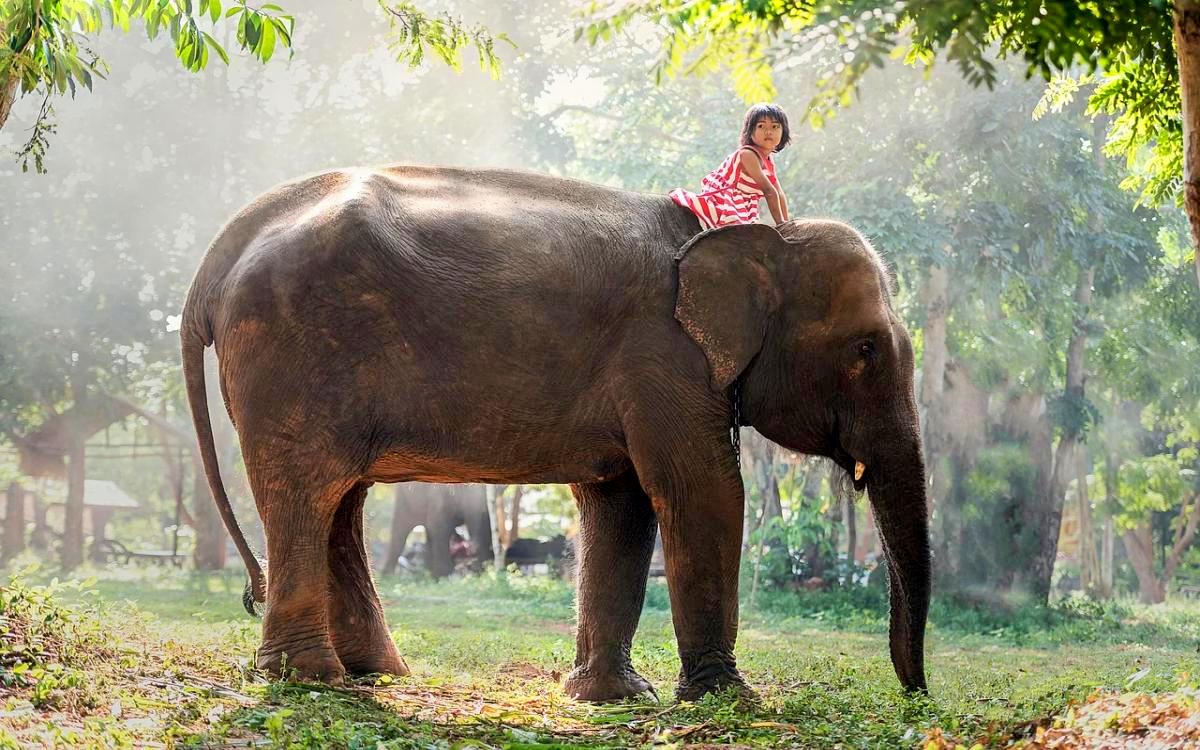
point(1150, 487)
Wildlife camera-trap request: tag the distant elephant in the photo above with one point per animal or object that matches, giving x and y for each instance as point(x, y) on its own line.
point(440, 509)
point(445, 325)
point(534, 551)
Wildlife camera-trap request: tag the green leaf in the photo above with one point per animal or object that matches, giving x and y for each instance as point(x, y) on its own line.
point(253, 30)
point(216, 47)
point(282, 30)
point(267, 47)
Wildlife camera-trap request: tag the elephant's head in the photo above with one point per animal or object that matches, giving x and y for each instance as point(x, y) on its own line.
point(802, 319)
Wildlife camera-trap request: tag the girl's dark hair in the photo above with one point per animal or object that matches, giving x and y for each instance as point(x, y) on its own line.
point(765, 112)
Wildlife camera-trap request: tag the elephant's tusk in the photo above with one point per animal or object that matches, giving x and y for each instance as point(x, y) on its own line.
point(859, 468)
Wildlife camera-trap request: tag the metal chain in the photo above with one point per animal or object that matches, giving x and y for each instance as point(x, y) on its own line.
point(735, 432)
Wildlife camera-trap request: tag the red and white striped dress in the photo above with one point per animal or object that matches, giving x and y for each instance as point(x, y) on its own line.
point(730, 195)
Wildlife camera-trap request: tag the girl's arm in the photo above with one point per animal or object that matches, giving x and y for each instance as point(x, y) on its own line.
point(783, 204)
point(754, 169)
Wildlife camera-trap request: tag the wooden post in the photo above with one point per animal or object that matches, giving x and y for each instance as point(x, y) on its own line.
point(178, 508)
point(14, 523)
point(38, 537)
point(100, 518)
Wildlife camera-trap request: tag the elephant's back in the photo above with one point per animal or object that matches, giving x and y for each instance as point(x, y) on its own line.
point(416, 253)
point(459, 227)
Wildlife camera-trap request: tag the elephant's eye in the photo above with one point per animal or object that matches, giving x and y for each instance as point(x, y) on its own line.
point(866, 348)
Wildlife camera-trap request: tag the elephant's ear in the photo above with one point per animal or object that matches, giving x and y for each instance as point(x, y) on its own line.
point(727, 293)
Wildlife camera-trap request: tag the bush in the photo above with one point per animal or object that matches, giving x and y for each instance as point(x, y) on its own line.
point(43, 644)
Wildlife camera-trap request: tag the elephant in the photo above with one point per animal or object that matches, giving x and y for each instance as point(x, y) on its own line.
point(440, 509)
point(430, 324)
point(535, 551)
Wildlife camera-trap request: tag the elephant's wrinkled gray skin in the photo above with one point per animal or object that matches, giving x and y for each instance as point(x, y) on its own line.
point(443, 325)
point(440, 509)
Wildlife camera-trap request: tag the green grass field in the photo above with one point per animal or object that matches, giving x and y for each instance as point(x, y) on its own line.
point(154, 658)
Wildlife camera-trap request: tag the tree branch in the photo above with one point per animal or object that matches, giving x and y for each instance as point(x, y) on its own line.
point(1184, 538)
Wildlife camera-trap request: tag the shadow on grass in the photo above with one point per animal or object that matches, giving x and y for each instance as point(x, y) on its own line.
point(302, 715)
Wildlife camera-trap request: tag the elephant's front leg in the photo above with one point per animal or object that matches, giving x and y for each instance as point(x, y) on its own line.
point(616, 540)
point(697, 493)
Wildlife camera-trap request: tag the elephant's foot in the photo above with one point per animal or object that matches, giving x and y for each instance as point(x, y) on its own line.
point(383, 658)
point(585, 684)
point(312, 663)
point(711, 674)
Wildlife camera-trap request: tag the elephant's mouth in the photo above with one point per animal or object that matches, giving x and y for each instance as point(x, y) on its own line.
point(857, 471)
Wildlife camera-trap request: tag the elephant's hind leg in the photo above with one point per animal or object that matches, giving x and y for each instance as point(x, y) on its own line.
point(356, 622)
point(297, 516)
point(616, 539)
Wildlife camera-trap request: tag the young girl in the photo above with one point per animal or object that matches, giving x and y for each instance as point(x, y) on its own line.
point(732, 191)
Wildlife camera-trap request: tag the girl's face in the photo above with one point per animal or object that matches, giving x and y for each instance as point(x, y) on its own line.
point(767, 134)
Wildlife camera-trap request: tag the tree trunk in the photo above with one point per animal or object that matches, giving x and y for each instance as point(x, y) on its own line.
point(210, 551)
point(817, 555)
point(495, 507)
point(72, 543)
point(1107, 543)
point(934, 298)
point(1187, 47)
point(514, 519)
point(500, 516)
point(933, 359)
point(1107, 557)
point(8, 96)
point(14, 523)
point(1183, 537)
point(1139, 548)
point(1089, 562)
point(38, 537)
point(79, 382)
point(1066, 452)
point(851, 533)
point(403, 522)
point(1049, 523)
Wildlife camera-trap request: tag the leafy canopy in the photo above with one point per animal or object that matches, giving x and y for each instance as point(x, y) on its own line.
point(1123, 46)
point(47, 49)
point(45, 44)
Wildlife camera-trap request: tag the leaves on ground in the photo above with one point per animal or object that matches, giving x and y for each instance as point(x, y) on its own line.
point(106, 674)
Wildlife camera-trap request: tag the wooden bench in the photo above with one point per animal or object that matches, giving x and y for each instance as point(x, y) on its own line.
point(122, 554)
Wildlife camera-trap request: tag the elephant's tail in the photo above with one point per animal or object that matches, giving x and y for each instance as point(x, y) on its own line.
point(194, 341)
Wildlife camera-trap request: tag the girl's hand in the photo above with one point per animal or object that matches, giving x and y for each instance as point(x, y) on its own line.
point(752, 167)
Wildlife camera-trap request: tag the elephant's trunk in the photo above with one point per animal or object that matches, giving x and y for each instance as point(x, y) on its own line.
point(898, 497)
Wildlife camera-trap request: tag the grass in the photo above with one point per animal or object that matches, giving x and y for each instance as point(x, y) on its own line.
point(162, 657)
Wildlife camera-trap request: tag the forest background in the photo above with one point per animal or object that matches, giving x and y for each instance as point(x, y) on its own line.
point(1056, 319)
